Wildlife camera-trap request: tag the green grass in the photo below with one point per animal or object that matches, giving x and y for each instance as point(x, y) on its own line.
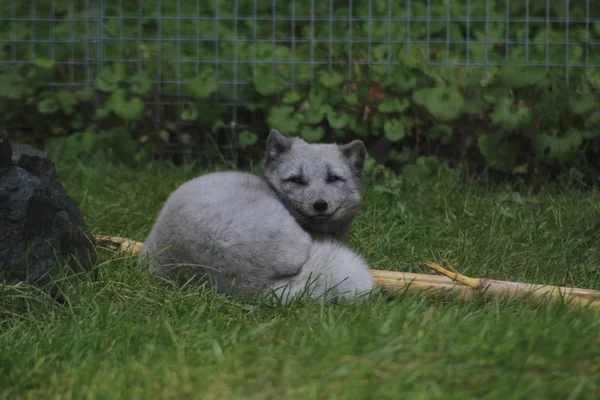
point(123, 336)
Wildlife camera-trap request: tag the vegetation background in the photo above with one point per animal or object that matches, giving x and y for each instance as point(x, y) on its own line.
point(481, 84)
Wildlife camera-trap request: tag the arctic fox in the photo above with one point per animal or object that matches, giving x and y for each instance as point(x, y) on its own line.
point(246, 234)
point(319, 184)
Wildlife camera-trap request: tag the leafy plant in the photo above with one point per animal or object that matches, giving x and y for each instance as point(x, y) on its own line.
point(515, 118)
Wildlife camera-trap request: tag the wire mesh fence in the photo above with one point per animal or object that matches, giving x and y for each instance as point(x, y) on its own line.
point(175, 40)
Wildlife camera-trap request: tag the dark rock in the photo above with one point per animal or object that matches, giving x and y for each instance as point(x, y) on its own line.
point(41, 227)
point(34, 161)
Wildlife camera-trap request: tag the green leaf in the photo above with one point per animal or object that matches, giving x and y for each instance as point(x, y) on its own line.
point(393, 104)
point(508, 119)
point(129, 109)
point(442, 132)
point(189, 114)
point(12, 85)
point(85, 94)
point(444, 103)
point(141, 83)
point(474, 106)
point(268, 85)
point(359, 128)
point(291, 97)
point(312, 133)
point(163, 135)
point(47, 106)
point(317, 96)
point(377, 122)
point(316, 113)
point(425, 167)
point(552, 147)
point(402, 156)
point(500, 154)
point(282, 119)
point(592, 126)
point(67, 101)
point(44, 63)
point(352, 99)
point(247, 139)
point(582, 104)
point(109, 77)
point(204, 85)
point(330, 81)
point(394, 130)
point(401, 79)
point(102, 112)
point(515, 77)
point(338, 120)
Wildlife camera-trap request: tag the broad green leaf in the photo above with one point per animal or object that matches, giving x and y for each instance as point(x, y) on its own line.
point(268, 85)
point(127, 108)
point(203, 85)
point(582, 104)
point(359, 128)
point(515, 77)
point(338, 120)
point(401, 79)
point(291, 97)
point(473, 106)
point(508, 119)
point(282, 119)
point(402, 156)
point(444, 103)
point(12, 85)
point(109, 77)
point(425, 167)
point(141, 83)
point(189, 114)
point(352, 99)
point(85, 94)
point(393, 104)
point(48, 106)
point(377, 122)
point(394, 130)
point(500, 154)
point(316, 113)
point(312, 133)
point(317, 96)
point(555, 147)
point(247, 139)
point(592, 126)
point(67, 101)
point(330, 81)
point(442, 132)
point(163, 135)
point(45, 63)
point(102, 112)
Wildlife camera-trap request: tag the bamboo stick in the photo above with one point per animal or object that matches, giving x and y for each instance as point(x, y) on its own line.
point(451, 282)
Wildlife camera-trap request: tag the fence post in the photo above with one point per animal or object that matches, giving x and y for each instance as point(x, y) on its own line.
point(95, 45)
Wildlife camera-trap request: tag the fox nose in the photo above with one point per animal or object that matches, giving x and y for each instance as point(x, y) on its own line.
point(320, 205)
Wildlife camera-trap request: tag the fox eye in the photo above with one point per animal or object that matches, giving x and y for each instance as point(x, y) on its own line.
point(296, 179)
point(333, 178)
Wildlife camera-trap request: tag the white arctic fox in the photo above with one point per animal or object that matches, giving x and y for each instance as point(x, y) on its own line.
point(282, 232)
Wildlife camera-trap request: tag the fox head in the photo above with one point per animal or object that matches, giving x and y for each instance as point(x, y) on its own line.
point(320, 184)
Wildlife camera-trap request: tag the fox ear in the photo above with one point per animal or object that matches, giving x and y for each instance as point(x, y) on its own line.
point(355, 153)
point(277, 144)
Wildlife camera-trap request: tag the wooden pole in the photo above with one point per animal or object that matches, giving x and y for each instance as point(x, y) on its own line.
point(451, 282)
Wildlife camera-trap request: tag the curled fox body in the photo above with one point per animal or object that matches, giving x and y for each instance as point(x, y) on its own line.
point(281, 232)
